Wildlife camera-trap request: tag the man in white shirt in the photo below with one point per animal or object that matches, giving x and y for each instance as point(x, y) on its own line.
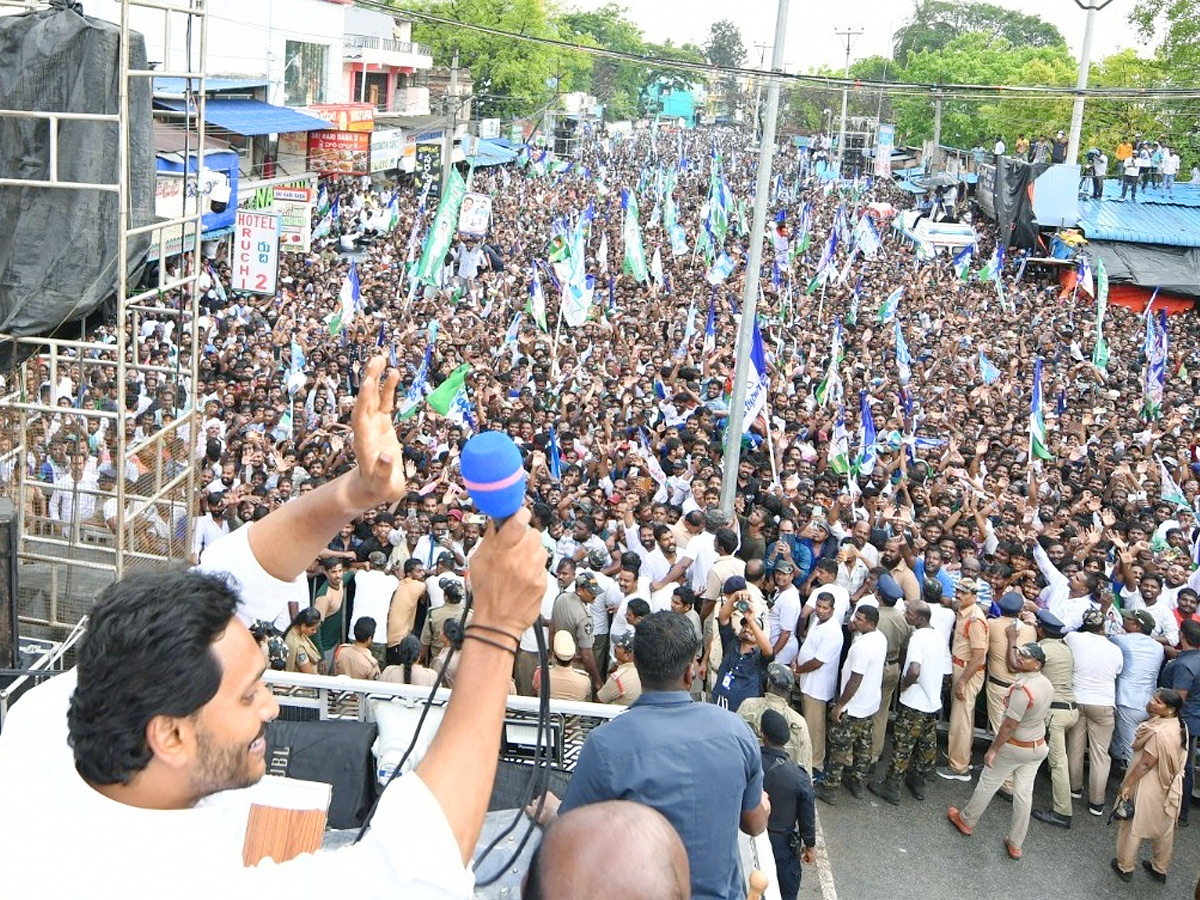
point(1097, 663)
point(155, 781)
point(373, 590)
point(74, 499)
point(942, 617)
point(816, 664)
point(209, 528)
point(1066, 598)
point(783, 619)
point(850, 721)
point(914, 738)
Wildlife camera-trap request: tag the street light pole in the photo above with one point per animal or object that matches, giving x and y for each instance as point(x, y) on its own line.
point(762, 190)
point(848, 35)
point(1085, 53)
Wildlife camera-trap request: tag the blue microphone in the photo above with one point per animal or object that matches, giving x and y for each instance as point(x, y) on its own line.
point(494, 474)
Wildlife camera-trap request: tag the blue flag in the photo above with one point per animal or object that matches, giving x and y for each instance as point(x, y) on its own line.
point(989, 372)
point(555, 456)
point(866, 437)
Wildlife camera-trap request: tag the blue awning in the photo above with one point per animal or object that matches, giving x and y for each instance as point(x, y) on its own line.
point(251, 117)
point(489, 153)
point(171, 86)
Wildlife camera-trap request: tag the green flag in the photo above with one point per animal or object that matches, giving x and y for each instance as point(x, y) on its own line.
point(631, 233)
point(445, 226)
point(443, 395)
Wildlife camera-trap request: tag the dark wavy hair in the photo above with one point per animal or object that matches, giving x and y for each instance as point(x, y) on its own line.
point(147, 652)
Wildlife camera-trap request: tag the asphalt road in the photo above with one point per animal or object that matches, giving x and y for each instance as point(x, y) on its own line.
point(912, 852)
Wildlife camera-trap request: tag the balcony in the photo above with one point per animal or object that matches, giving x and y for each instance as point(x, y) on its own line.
point(365, 48)
point(413, 101)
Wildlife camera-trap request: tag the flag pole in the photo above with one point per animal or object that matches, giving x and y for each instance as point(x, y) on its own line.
point(771, 446)
point(557, 332)
point(762, 189)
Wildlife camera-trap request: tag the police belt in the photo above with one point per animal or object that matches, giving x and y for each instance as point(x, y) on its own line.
point(1027, 745)
point(1000, 682)
point(1062, 704)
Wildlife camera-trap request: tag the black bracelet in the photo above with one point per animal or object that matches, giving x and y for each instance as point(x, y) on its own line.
point(500, 631)
point(496, 644)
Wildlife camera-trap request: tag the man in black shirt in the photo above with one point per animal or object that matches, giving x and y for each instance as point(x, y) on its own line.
point(792, 805)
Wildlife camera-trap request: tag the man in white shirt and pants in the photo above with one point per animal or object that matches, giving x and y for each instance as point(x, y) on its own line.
point(816, 665)
point(1097, 663)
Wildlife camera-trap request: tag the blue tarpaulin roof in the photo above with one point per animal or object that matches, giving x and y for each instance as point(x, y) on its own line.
point(489, 153)
point(251, 117)
point(1140, 223)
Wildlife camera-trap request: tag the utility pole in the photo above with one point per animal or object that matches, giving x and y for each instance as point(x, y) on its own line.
point(762, 190)
point(1085, 53)
point(448, 134)
point(762, 58)
point(937, 122)
point(849, 35)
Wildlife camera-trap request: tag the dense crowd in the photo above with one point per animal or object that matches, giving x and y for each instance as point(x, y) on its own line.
point(856, 549)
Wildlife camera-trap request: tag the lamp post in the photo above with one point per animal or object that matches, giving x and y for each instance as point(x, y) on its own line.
point(1085, 53)
point(762, 190)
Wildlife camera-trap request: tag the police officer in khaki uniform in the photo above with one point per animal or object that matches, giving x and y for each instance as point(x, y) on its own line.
point(968, 651)
point(1017, 750)
point(779, 687)
point(1060, 664)
point(563, 680)
point(432, 639)
point(999, 676)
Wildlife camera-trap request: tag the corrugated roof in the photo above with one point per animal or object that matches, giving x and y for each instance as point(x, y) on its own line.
point(251, 117)
point(490, 153)
point(1172, 225)
point(1185, 194)
point(170, 86)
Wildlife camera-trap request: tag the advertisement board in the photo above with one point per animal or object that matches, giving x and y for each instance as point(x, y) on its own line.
point(474, 215)
point(387, 149)
point(885, 140)
point(292, 201)
point(357, 117)
point(429, 168)
point(255, 252)
point(340, 152)
point(489, 128)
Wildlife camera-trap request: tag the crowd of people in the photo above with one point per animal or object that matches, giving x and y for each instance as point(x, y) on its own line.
point(937, 560)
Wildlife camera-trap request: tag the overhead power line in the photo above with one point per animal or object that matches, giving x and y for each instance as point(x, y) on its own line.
point(948, 91)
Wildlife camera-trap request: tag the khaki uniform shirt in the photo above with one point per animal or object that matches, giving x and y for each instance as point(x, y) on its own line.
point(1059, 668)
point(567, 683)
point(431, 634)
point(997, 656)
point(724, 567)
point(572, 615)
point(908, 582)
point(403, 610)
point(799, 745)
point(352, 660)
point(623, 686)
point(1028, 701)
point(970, 633)
point(897, 631)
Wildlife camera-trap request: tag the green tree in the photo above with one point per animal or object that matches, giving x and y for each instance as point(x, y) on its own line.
point(803, 106)
point(512, 78)
point(980, 58)
point(725, 48)
point(935, 23)
point(1175, 24)
point(663, 79)
point(615, 83)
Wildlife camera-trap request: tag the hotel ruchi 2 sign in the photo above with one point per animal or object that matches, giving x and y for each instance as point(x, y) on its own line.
point(256, 252)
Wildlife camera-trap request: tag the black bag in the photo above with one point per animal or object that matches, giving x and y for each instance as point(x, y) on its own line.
point(337, 753)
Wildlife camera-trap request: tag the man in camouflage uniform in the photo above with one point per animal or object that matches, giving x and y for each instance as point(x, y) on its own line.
point(914, 739)
point(850, 725)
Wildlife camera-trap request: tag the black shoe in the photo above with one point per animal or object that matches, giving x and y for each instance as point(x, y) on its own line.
point(1050, 817)
point(916, 787)
point(826, 794)
point(1096, 809)
point(854, 786)
point(886, 790)
point(1160, 877)
point(1121, 873)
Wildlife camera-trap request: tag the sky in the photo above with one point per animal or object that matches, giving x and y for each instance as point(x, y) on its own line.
point(811, 41)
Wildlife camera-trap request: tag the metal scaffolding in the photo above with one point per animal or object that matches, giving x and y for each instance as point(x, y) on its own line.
point(138, 512)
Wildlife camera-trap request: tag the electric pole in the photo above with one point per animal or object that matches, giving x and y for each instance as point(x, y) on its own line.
point(448, 134)
point(762, 58)
point(762, 190)
point(1085, 53)
point(849, 35)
